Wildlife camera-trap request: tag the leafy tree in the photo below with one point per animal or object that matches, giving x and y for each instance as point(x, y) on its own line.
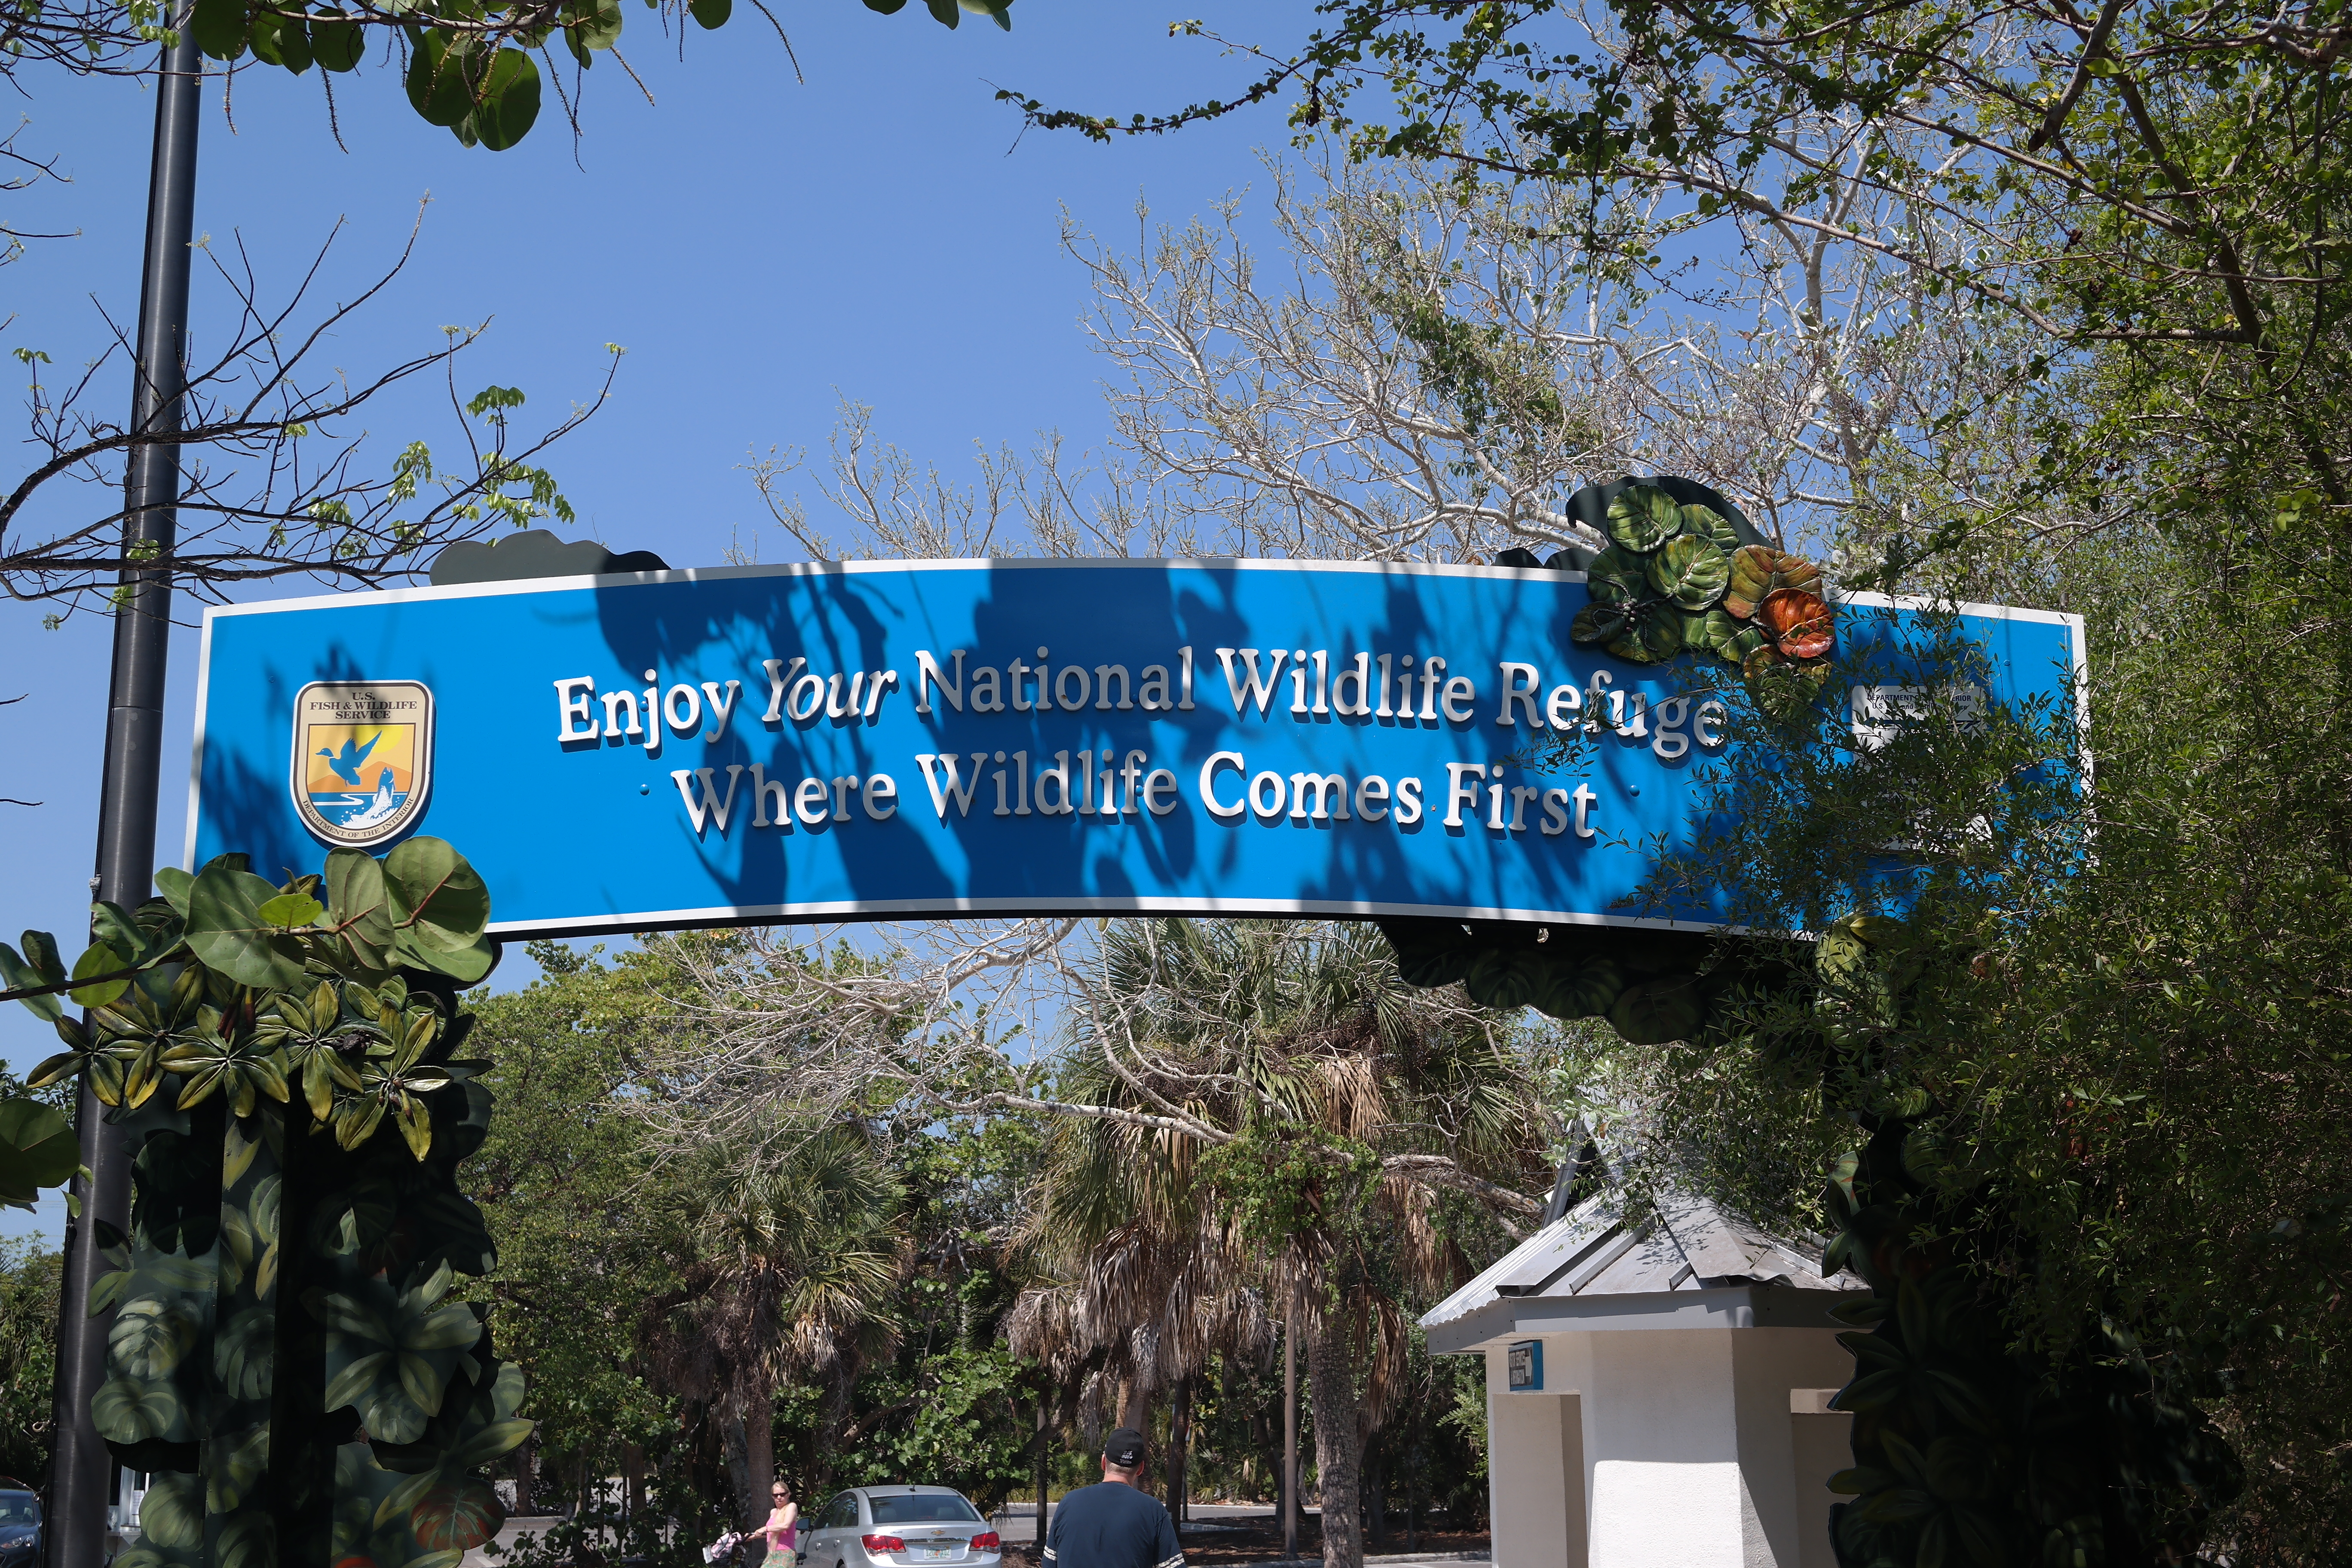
point(2130, 1083)
point(562, 1183)
point(794, 1252)
point(29, 1274)
point(1263, 1091)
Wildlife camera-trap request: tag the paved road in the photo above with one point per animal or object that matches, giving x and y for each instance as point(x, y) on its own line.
point(1018, 1526)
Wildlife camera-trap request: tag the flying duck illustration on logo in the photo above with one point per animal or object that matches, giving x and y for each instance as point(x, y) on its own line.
point(362, 759)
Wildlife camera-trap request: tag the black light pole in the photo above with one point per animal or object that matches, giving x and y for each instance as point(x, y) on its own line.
point(82, 1471)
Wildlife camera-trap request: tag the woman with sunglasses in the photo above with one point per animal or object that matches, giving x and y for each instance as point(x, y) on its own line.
point(781, 1531)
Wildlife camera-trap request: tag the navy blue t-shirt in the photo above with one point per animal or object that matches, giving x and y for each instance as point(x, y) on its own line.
point(1112, 1526)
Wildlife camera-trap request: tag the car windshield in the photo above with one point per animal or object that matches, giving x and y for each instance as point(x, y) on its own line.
point(19, 1507)
point(923, 1508)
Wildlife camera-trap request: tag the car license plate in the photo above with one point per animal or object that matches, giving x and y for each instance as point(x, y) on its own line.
point(935, 1552)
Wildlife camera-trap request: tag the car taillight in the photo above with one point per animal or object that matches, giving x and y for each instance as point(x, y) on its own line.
point(985, 1541)
point(884, 1542)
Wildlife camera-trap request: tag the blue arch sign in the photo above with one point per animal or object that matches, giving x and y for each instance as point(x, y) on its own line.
point(863, 740)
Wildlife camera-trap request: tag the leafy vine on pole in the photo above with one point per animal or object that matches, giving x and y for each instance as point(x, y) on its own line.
point(287, 1062)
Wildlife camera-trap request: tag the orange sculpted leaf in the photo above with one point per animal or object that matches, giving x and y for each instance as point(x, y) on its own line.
point(1799, 622)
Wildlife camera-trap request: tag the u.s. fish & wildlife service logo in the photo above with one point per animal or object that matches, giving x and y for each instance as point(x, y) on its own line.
point(362, 758)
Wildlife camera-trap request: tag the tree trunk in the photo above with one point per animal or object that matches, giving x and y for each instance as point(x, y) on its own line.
point(1331, 1393)
point(525, 1462)
point(1135, 1404)
point(1289, 1480)
point(1412, 1501)
point(1045, 1476)
point(1180, 1439)
point(747, 1431)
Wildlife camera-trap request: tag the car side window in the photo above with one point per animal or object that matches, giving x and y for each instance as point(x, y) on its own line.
point(843, 1514)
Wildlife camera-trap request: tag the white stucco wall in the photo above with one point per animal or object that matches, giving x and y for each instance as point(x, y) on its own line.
point(1768, 1364)
point(1664, 1448)
point(1534, 1469)
point(1822, 1445)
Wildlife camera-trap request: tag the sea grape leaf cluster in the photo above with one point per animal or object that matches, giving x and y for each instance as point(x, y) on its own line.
point(470, 67)
point(287, 1064)
point(1681, 578)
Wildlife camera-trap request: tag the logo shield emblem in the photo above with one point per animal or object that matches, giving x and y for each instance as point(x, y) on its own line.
point(362, 759)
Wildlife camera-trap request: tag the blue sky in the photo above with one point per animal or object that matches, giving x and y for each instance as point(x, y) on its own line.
point(762, 247)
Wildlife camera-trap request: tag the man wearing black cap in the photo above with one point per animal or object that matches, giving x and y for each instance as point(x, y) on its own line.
point(1115, 1524)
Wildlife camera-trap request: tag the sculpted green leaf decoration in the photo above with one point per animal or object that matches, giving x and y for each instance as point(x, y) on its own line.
point(1658, 1012)
point(1617, 578)
point(450, 1329)
point(1698, 636)
point(130, 1410)
point(244, 1354)
point(1598, 623)
point(271, 986)
point(1651, 639)
point(240, 1148)
point(355, 1381)
point(506, 1398)
point(498, 1438)
point(1503, 980)
point(456, 1515)
point(250, 1540)
point(1586, 990)
point(1642, 518)
point(1708, 523)
point(231, 1464)
point(173, 1512)
point(389, 1414)
point(421, 1383)
point(1719, 634)
point(1690, 571)
point(149, 1338)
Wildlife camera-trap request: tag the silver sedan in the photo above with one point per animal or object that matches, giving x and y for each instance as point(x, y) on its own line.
point(898, 1527)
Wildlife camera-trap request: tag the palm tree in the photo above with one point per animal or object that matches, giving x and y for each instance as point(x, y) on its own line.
point(794, 1252)
point(1265, 1107)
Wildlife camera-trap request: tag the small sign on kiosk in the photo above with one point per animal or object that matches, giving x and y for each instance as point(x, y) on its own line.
point(1527, 1367)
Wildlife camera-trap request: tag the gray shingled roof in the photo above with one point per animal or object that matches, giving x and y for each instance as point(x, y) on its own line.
point(1593, 1251)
